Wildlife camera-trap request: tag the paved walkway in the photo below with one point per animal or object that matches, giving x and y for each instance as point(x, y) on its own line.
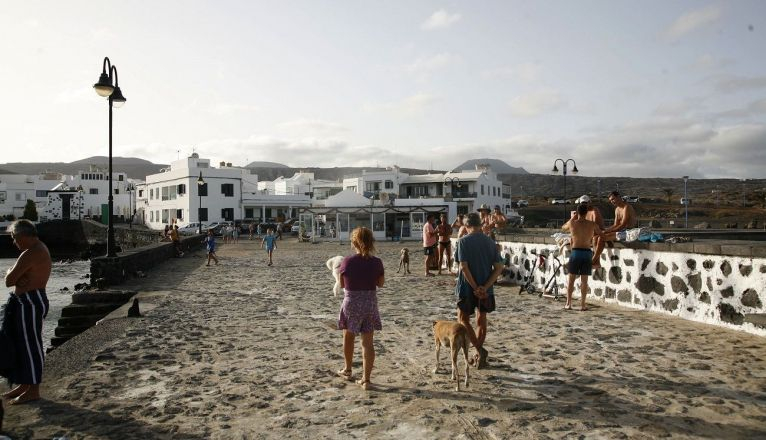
point(244, 351)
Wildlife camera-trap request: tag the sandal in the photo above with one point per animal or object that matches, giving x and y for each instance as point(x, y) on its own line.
point(345, 374)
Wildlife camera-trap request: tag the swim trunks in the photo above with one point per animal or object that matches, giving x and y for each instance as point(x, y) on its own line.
point(28, 311)
point(580, 261)
point(445, 243)
point(429, 250)
point(469, 303)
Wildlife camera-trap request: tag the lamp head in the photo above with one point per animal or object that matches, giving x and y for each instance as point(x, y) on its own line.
point(574, 170)
point(555, 168)
point(200, 182)
point(116, 97)
point(104, 85)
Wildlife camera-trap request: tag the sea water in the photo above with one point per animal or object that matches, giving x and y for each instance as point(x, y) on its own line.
point(63, 275)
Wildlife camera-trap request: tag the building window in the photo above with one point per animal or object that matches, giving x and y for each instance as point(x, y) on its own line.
point(482, 189)
point(227, 189)
point(389, 184)
point(3, 195)
point(93, 191)
point(180, 214)
point(140, 193)
point(165, 195)
point(202, 214)
point(165, 215)
point(372, 186)
point(202, 190)
point(248, 212)
point(116, 190)
point(182, 188)
point(41, 193)
point(227, 214)
point(121, 177)
point(151, 216)
point(20, 197)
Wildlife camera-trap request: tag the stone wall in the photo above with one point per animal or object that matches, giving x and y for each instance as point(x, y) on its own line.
point(132, 262)
point(714, 283)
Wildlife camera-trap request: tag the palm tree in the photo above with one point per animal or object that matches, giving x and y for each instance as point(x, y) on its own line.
point(668, 193)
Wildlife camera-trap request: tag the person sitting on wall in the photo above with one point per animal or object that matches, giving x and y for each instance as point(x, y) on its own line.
point(624, 218)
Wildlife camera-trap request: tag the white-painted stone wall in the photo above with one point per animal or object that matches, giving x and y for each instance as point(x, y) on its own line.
point(713, 289)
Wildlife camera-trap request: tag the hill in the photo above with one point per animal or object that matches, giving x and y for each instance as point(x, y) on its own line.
point(135, 168)
point(265, 165)
point(336, 173)
point(496, 165)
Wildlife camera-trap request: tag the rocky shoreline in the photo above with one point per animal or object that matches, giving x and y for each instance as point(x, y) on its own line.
point(243, 350)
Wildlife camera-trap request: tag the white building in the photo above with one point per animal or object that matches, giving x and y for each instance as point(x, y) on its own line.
point(86, 195)
point(373, 183)
point(16, 189)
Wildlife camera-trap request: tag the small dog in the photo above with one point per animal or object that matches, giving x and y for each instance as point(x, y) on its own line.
point(404, 260)
point(334, 265)
point(454, 335)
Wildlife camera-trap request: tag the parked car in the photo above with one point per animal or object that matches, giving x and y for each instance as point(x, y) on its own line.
point(190, 229)
point(522, 203)
point(559, 202)
point(686, 201)
point(296, 227)
point(630, 199)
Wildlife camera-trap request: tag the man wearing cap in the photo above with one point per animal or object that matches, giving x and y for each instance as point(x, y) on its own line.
point(594, 214)
point(580, 264)
point(479, 266)
point(624, 218)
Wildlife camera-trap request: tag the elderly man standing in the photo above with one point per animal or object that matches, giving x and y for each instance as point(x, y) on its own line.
point(28, 305)
point(480, 265)
point(624, 218)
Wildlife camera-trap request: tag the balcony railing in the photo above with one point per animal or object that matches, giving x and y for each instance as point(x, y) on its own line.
point(462, 195)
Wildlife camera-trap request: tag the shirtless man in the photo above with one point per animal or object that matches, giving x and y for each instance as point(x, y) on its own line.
point(624, 218)
point(593, 214)
point(29, 276)
point(498, 218)
point(485, 215)
point(444, 232)
point(582, 231)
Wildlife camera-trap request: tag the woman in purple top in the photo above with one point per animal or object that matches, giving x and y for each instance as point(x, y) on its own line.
point(360, 275)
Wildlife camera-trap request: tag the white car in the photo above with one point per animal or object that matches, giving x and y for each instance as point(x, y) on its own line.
point(630, 199)
point(522, 203)
point(558, 202)
point(190, 229)
point(686, 201)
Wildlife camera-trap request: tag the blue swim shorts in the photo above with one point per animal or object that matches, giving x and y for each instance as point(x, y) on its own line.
point(580, 262)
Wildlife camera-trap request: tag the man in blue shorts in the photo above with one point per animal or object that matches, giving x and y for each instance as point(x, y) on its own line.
point(580, 261)
point(480, 265)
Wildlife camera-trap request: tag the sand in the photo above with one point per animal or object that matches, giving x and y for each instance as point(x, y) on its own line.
point(243, 350)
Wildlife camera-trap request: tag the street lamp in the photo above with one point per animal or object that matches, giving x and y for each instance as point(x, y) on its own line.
point(79, 202)
point(452, 181)
point(130, 188)
point(113, 93)
point(200, 184)
point(564, 172)
point(686, 203)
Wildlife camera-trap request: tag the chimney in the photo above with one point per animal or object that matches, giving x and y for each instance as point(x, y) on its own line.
point(228, 164)
point(222, 164)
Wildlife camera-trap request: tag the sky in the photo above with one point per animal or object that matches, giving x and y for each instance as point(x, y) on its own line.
point(624, 88)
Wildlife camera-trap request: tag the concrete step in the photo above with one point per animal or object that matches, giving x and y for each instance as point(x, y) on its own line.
point(70, 331)
point(102, 296)
point(78, 321)
point(102, 309)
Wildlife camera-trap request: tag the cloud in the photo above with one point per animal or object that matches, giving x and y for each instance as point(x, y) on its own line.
point(526, 72)
point(228, 108)
point(711, 62)
point(440, 19)
point(755, 108)
point(411, 105)
point(691, 21)
point(733, 83)
point(425, 66)
point(536, 103)
point(312, 127)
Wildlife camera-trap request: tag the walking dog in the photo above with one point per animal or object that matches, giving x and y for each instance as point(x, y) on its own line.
point(404, 260)
point(334, 265)
point(454, 335)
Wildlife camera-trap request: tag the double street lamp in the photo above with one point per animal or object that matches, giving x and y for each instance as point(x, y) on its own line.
point(108, 86)
point(555, 170)
point(200, 184)
point(686, 203)
point(452, 181)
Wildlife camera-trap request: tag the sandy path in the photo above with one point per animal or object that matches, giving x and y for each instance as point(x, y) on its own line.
point(244, 351)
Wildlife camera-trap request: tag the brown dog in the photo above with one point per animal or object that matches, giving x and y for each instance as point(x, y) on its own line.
point(404, 260)
point(454, 335)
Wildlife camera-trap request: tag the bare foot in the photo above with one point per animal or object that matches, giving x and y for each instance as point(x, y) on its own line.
point(568, 307)
point(584, 308)
point(365, 384)
point(345, 374)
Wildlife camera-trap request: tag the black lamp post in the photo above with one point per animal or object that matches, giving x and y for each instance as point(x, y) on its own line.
point(130, 188)
point(200, 184)
point(686, 203)
point(105, 87)
point(79, 202)
point(452, 181)
point(564, 172)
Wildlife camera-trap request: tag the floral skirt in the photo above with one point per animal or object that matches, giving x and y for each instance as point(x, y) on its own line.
point(359, 312)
